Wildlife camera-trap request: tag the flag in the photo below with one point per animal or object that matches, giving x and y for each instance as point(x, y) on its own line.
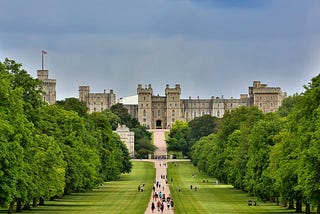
point(44, 52)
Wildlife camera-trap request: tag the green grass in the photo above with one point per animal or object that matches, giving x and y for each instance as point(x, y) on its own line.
point(119, 196)
point(210, 197)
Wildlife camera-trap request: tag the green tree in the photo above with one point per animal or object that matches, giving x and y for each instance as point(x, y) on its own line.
point(261, 139)
point(12, 119)
point(73, 104)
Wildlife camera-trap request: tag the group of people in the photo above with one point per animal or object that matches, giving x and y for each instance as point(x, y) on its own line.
point(160, 199)
point(141, 188)
point(161, 203)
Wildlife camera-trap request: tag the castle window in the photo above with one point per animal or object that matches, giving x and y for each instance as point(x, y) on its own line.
point(144, 98)
point(187, 114)
point(173, 120)
point(159, 113)
point(144, 119)
point(144, 113)
point(195, 114)
point(218, 113)
point(203, 113)
point(271, 104)
point(172, 113)
point(172, 98)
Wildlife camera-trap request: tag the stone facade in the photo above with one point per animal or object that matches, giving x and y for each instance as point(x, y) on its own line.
point(96, 102)
point(127, 137)
point(268, 99)
point(48, 86)
point(162, 111)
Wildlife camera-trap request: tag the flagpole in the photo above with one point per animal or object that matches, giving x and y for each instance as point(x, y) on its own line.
point(42, 58)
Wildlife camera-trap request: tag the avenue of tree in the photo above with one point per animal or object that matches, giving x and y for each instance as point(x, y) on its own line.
point(274, 156)
point(47, 151)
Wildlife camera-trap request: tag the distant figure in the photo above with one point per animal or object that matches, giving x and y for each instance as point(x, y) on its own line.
point(152, 207)
point(171, 203)
point(162, 207)
point(195, 188)
point(139, 188)
point(191, 187)
point(158, 205)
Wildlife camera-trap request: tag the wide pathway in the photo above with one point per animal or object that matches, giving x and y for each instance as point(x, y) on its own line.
point(161, 170)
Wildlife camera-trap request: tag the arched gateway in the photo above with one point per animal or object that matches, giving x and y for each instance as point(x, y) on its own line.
point(158, 124)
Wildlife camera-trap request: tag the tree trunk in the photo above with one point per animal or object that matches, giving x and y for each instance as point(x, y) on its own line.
point(34, 202)
point(291, 204)
point(285, 203)
point(298, 207)
point(277, 199)
point(26, 206)
point(41, 202)
point(19, 205)
point(11, 206)
point(308, 211)
point(318, 209)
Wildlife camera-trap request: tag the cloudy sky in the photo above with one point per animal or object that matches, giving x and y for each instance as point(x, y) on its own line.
point(210, 47)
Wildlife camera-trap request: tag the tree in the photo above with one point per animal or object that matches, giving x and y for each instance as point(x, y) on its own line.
point(177, 140)
point(261, 139)
point(73, 104)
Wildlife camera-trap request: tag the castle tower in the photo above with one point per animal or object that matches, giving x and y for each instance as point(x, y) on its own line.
point(48, 86)
point(145, 105)
point(84, 94)
point(267, 99)
point(173, 104)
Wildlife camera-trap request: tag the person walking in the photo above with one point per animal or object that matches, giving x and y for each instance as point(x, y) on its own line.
point(152, 206)
point(158, 205)
point(168, 204)
point(162, 207)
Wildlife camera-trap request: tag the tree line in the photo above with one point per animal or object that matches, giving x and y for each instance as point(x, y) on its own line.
point(273, 156)
point(47, 151)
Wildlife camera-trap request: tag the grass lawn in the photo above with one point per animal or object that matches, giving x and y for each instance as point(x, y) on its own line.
point(120, 196)
point(210, 197)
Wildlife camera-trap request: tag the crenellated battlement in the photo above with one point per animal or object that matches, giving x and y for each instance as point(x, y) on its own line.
point(176, 90)
point(145, 90)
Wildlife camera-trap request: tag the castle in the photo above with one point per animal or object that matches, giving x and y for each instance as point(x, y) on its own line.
point(162, 111)
point(48, 86)
point(96, 101)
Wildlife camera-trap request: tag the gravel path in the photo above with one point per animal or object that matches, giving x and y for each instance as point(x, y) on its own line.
point(161, 170)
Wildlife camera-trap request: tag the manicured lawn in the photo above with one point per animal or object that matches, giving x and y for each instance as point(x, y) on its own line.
point(119, 196)
point(210, 197)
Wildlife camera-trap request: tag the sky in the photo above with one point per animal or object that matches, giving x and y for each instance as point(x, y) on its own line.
point(209, 47)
